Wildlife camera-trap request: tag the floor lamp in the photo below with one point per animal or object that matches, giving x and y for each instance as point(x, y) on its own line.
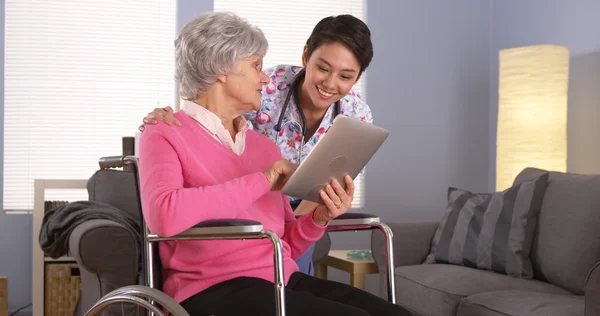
point(532, 111)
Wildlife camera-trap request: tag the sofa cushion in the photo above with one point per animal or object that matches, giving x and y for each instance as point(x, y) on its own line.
point(567, 242)
point(437, 289)
point(521, 303)
point(490, 231)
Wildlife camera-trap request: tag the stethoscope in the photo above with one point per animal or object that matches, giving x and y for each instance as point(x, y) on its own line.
point(294, 91)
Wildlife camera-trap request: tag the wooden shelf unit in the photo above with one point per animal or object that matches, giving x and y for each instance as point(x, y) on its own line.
point(39, 261)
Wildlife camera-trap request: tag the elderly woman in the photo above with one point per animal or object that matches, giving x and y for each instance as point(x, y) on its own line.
point(215, 167)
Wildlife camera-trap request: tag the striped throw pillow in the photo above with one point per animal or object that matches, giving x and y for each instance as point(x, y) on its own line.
point(490, 231)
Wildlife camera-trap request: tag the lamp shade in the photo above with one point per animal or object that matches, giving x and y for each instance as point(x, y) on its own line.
point(532, 111)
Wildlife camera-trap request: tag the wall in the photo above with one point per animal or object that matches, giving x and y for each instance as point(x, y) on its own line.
point(15, 230)
point(574, 24)
point(429, 85)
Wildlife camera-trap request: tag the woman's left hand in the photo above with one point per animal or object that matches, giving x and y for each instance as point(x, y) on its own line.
point(336, 201)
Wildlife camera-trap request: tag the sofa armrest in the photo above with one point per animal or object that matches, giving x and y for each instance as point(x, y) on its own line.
point(412, 242)
point(99, 245)
point(592, 292)
point(108, 255)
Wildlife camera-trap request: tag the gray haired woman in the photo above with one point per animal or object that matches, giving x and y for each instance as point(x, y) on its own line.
point(214, 166)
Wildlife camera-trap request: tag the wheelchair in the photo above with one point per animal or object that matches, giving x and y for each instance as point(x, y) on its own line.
point(147, 294)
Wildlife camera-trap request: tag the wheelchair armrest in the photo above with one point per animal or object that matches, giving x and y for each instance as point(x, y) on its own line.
point(349, 221)
point(354, 219)
point(218, 227)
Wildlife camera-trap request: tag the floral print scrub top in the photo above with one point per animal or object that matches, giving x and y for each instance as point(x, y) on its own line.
point(273, 96)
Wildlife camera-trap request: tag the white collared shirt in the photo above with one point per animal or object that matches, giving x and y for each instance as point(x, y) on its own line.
point(213, 125)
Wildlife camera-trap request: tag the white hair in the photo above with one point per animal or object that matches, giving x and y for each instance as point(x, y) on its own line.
point(209, 46)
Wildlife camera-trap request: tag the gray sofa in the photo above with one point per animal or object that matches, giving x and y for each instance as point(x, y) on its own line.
point(565, 255)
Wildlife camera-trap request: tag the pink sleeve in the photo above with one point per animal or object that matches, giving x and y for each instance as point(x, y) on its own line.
point(169, 208)
point(300, 233)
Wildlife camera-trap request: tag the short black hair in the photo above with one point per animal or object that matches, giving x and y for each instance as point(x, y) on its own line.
point(347, 30)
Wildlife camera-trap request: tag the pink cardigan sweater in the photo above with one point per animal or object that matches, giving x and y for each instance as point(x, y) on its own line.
point(188, 177)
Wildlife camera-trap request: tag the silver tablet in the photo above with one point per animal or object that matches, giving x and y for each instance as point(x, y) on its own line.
point(345, 149)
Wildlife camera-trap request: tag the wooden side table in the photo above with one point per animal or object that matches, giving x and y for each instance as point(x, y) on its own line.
point(3, 296)
point(358, 268)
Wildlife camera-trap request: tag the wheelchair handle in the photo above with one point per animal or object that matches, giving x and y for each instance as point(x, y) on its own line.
point(115, 161)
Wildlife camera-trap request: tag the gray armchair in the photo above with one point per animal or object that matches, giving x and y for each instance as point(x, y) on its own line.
point(565, 255)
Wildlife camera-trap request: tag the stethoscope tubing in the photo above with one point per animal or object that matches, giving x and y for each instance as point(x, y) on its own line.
point(294, 91)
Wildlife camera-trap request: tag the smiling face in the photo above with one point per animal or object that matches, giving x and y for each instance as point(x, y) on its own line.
point(245, 84)
point(331, 71)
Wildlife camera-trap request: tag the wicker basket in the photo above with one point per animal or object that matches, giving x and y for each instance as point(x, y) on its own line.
point(62, 289)
point(49, 205)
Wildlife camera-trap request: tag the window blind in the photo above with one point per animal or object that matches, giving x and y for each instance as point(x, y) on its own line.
point(79, 76)
point(287, 24)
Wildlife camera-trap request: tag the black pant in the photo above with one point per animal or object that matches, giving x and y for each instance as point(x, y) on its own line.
point(304, 295)
point(294, 204)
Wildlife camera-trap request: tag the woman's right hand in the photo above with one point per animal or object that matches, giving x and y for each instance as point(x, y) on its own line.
point(278, 173)
point(165, 115)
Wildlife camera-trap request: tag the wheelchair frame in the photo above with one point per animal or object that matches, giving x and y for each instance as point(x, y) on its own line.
point(147, 296)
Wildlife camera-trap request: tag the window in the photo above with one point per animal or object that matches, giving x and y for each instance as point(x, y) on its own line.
point(79, 75)
point(287, 24)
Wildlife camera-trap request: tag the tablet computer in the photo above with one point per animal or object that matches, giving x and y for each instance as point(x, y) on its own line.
point(344, 149)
